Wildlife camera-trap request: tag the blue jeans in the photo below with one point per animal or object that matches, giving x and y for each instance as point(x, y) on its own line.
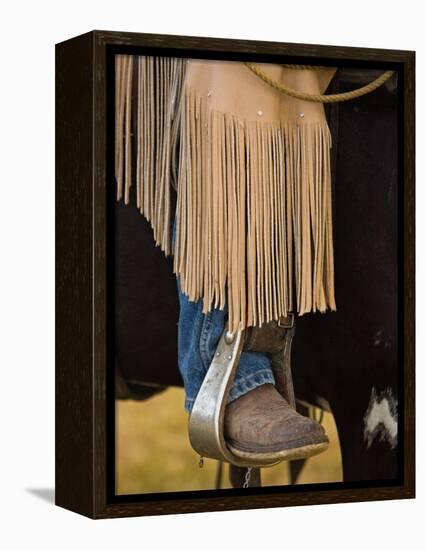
point(198, 336)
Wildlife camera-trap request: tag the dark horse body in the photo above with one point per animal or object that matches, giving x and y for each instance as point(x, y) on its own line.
point(344, 361)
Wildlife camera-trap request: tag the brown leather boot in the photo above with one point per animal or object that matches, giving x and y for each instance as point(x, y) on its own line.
point(261, 425)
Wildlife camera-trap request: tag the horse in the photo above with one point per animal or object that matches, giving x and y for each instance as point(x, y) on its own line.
point(344, 362)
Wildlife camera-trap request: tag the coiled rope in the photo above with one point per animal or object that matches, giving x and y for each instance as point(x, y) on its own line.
point(318, 98)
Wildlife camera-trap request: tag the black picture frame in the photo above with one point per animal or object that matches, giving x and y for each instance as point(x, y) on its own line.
point(84, 367)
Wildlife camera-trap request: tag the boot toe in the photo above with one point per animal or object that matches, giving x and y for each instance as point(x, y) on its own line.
point(264, 425)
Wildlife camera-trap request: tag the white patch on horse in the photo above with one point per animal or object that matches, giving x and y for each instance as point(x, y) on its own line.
point(380, 419)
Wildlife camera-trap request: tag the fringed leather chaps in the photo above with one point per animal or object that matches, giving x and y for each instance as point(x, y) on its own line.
point(252, 172)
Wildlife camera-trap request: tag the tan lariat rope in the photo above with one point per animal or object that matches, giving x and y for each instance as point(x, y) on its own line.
point(318, 98)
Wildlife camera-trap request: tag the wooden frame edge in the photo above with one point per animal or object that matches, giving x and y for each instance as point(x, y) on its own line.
point(82, 486)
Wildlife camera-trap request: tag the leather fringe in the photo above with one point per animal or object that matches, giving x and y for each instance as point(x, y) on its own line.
point(158, 89)
point(254, 208)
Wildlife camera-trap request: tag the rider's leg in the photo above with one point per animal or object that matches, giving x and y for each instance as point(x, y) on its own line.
point(259, 424)
point(198, 336)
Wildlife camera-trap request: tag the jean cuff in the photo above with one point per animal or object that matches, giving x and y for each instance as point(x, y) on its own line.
point(248, 383)
point(242, 386)
point(188, 404)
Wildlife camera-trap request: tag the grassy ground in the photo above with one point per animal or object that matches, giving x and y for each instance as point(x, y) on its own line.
point(154, 455)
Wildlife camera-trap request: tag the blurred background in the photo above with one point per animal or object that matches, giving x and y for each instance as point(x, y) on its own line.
point(153, 453)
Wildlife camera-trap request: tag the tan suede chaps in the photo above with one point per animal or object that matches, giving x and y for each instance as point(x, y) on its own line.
point(251, 167)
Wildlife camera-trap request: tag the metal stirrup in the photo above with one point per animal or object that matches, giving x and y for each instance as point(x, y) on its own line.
point(206, 422)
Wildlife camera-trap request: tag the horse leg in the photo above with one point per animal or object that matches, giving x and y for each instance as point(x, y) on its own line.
point(367, 430)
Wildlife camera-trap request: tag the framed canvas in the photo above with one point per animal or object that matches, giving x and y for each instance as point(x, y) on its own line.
point(124, 446)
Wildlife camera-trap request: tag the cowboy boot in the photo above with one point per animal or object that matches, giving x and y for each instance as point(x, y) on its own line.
point(263, 424)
